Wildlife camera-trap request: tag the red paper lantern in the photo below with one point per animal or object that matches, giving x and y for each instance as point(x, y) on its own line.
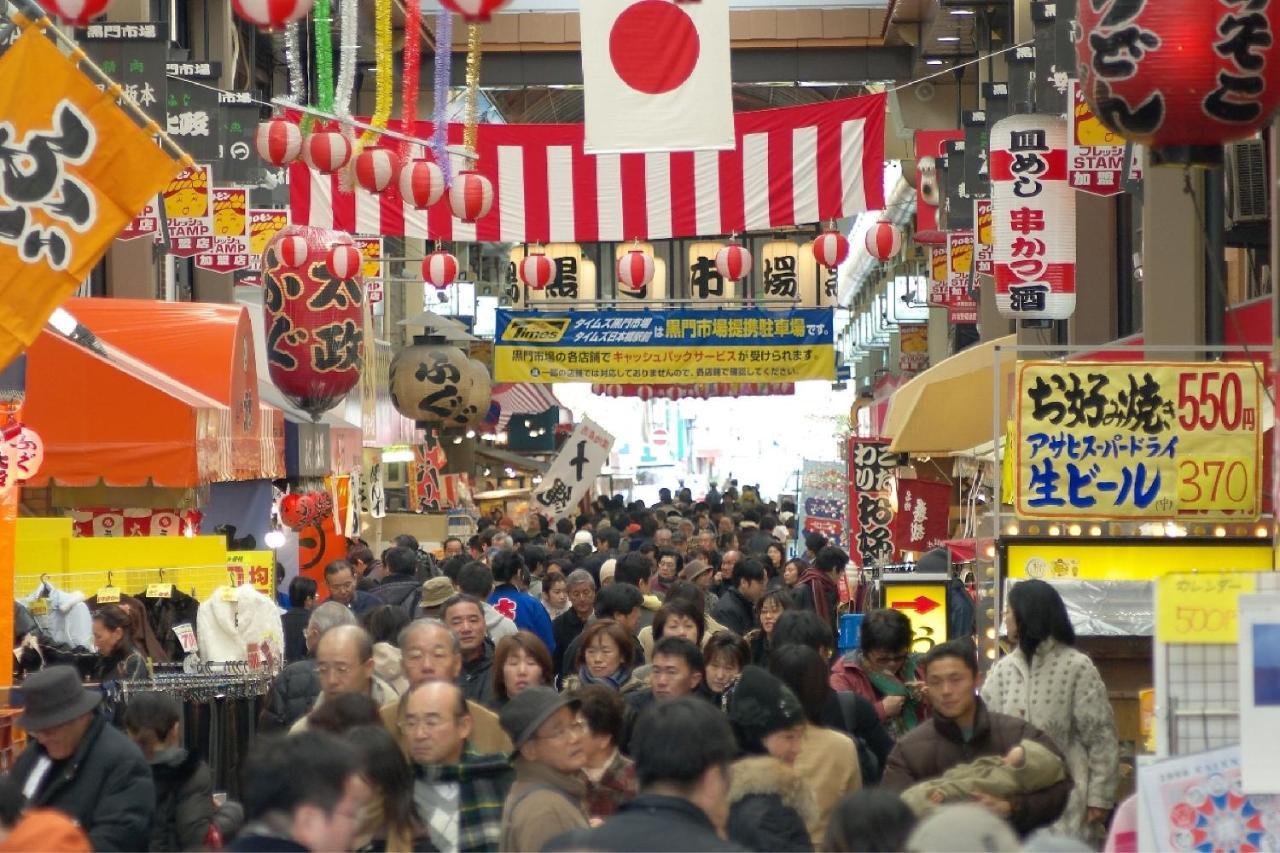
point(314, 322)
point(344, 262)
point(831, 248)
point(279, 141)
point(376, 168)
point(319, 505)
point(294, 251)
point(326, 151)
point(272, 14)
point(1182, 76)
point(635, 270)
point(21, 455)
point(440, 269)
point(421, 183)
point(471, 196)
point(474, 11)
point(537, 271)
point(733, 262)
point(883, 240)
point(75, 12)
point(292, 511)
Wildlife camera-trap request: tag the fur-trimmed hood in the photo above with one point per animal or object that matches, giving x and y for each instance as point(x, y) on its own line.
point(763, 775)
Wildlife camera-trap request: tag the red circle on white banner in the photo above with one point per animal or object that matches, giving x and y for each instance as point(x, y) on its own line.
point(654, 46)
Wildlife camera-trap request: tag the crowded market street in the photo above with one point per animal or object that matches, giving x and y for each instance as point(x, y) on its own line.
point(628, 425)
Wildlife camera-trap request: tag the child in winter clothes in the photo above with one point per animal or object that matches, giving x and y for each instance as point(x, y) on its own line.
point(1027, 767)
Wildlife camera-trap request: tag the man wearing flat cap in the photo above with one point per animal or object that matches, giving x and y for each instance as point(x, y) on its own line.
point(79, 764)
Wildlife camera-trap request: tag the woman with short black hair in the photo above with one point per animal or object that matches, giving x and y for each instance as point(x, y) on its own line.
point(884, 671)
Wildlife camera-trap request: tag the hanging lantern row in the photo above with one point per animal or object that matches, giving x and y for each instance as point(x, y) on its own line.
point(421, 183)
point(701, 391)
point(272, 14)
point(299, 510)
point(474, 11)
point(377, 168)
point(537, 271)
point(440, 269)
point(733, 262)
point(635, 270)
point(831, 248)
point(883, 240)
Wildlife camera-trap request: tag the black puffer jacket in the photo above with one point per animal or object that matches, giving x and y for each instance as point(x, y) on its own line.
point(400, 591)
point(184, 800)
point(769, 806)
point(292, 695)
point(105, 786)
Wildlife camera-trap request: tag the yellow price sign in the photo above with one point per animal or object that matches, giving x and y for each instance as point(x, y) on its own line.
point(925, 604)
point(252, 567)
point(1200, 608)
point(1210, 484)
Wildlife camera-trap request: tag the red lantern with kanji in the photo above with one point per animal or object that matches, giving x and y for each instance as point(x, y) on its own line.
point(471, 196)
point(314, 321)
point(883, 240)
point(831, 248)
point(272, 14)
point(75, 12)
point(421, 183)
point(292, 511)
point(377, 168)
point(537, 271)
point(733, 262)
point(326, 151)
point(1181, 76)
point(278, 141)
point(440, 269)
point(474, 11)
point(344, 261)
point(21, 455)
point(635, 270)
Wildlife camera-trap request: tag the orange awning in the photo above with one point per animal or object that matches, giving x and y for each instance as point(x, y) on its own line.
point(116, 420)
point(207, 347)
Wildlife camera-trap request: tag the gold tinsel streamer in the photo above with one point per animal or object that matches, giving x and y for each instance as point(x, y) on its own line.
point(473, 89)
point(384, 71)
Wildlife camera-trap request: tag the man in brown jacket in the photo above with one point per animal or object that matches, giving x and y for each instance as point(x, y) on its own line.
point(961, 730)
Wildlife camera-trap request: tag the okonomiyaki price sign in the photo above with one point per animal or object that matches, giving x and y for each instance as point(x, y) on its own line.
point(1138, 440)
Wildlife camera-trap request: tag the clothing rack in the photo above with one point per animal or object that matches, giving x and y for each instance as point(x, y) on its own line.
point(200, 581)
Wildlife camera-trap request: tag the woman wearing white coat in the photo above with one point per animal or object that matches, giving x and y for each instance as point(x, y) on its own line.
point(1057, 689)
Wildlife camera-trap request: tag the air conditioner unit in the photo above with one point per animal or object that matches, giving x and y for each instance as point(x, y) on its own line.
point(1245, 174)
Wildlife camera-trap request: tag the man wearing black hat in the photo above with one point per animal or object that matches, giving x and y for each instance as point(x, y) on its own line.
point(78, 763)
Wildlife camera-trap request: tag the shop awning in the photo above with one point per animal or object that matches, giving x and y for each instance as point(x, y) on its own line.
point(947, 408)
point(117, 421)
point(204, 346)
point(513, 460)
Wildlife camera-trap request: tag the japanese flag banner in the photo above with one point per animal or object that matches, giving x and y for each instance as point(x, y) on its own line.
point(656, 76)
point(74, 171)
point(573, 472)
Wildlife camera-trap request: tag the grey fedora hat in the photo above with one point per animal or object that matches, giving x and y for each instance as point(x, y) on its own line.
point(54, 696)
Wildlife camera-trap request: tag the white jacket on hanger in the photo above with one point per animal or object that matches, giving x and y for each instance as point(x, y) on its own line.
point(68, 620)
point(225, 628)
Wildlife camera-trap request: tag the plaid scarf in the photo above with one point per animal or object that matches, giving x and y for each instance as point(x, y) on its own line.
point(483, 782)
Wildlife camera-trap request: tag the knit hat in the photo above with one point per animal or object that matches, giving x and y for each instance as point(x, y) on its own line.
point(963, 827)
point(582, 537)
point(759, 704)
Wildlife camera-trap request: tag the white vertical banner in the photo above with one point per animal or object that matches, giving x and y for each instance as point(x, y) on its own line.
point(575, 468)
point(650, 64)
point(1259, 662)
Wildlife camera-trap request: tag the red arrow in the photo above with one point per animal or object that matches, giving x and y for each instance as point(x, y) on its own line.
point(921, 604)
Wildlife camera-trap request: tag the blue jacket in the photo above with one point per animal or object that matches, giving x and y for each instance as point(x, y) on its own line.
point(526, 611)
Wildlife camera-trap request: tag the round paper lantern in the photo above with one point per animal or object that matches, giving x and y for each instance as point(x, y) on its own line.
point(428, 381)
point(537, 271)
point(326, 151)
point(314, 321)
point(293, 250)
point(421, 183)
point(474, 11)
point(476, 395)
point(733, 262)
point(644, 392)
point(75, 12)
point(272, 14)
point(440, 269)
point(317, 506)
point(21, 455)
point(292, 511)
point(635, 270)
point(278, 141)
point(376, 168)
point(344, 261)
point(471, 196)
point(831, 248)
point(883, 240)
point(1181, 76)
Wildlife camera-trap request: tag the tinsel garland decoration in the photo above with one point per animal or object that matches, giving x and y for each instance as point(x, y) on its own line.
point(384, 70)
point(322, 20)
point(473, 91)
point(440, 102)
point(293, 62)
point(409, 81)
point(348, 27)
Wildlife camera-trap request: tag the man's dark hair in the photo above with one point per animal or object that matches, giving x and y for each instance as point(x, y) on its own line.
point(676, 742)
point(385, 622)
point(304, 769)
point(802, 628)
point(535, 556)
point(156, 713)
point(679, 647)
point(960, 649)
point(603, 709)
point(610, 537)
point(475, 578)
point(401, 560)
point(815, 542)
point(446, 542)
point(884, 630)
point(344, 711)
point(687, 591)
point(618, 599)
point(360, 554)
point(506, 564)
point(462, 598)
point(338, 566)
point(405, 540)
point(749, 569)
point(831, 559)
point(452, 566)
point(300, 589)
point(634, 569)
point(870, 819)
point(564, 525)
point(752, 515)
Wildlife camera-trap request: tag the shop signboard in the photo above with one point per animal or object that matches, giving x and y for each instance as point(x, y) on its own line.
point(264, 224)
point(923, 517)
point(872, 472)
point(925, 604)
point(961, 306)
point(574, 470)
point(252, 567)
point(983, 257)
point(676, 347)
point(188, 210)
point(133, 55)
point(1200, 608)
point(371, 270)
point(429, 461)
point(192, 117)
point(913, 347)
point(1064, 558)
point(1138, 440)
point(230, 249)
point(824, 505)
point(1096, 162)
point(238, 162)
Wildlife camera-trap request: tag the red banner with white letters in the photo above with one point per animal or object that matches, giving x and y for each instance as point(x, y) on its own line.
point(923, 518)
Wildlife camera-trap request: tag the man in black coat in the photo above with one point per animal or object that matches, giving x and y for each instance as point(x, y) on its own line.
point(401, 587)
point(736, 607)
point(568, 625)
point(81, 765)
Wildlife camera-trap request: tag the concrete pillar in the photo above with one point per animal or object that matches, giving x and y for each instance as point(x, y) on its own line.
point(1094, 321)
point(131, 270)
point(1172, 260)
point(939, 335)
point(209, 286)
point(990, 324)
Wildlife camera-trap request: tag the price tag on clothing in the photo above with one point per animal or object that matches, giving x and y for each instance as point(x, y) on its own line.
point(39, 607)
point(186, 637)
point(109, 595)
point(159, 590)
point(228, 593)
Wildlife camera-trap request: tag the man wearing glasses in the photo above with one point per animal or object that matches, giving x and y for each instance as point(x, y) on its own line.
point(344, 662)
point(340, 579)
point(883, 671)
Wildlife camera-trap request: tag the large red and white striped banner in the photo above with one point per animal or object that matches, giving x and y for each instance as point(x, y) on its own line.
point(792, 166)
